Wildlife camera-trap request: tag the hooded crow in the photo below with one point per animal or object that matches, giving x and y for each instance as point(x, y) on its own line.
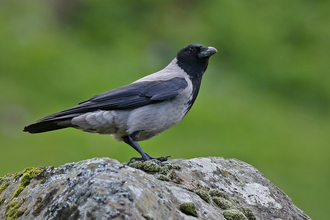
point(142, 109)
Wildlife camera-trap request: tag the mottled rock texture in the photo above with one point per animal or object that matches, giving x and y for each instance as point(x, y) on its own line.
point(103, 188)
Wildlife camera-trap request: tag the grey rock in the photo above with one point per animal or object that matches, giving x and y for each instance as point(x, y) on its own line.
point(103, 188)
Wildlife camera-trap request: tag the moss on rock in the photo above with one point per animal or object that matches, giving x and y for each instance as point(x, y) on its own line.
point(7, 175)
point(137, 165)
point(165, 169)
point(222, 202)
point(228, 203)
point(28, 175)
point(4, 186)
point(163, 177)
point(165, 173)
point(147, 217)
point(43, 178)
point(188, 208)
point(2, 200)
point(147, 166)
point(151, 167)
point(248, 213)
point(218, 193)
point(234, 214)
point(14, 210)
point(204, 195)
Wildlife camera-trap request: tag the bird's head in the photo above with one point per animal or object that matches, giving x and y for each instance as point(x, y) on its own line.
point(193, 59)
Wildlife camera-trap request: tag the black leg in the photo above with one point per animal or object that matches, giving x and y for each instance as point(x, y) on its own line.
point(132, 141)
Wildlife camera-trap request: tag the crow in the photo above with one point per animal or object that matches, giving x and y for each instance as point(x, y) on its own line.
point(141, 110)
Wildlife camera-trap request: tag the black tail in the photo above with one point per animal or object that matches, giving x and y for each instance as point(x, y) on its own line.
point(43, 126)
point(56, 121)
point(50, 123)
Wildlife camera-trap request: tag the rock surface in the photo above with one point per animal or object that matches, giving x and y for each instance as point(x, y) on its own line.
point(103, 188)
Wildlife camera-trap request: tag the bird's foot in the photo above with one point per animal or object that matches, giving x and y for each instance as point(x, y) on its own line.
point(135, 159)
point(161, 159)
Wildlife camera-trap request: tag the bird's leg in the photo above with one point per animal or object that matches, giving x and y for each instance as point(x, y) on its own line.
point(132, 141)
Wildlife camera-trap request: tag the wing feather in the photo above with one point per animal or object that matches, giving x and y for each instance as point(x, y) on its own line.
point(127, 97)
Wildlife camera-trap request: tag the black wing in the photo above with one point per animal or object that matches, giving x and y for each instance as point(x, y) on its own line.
point(127, 97)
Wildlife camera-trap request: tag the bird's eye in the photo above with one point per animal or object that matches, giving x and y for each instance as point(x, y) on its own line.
point(192, 50)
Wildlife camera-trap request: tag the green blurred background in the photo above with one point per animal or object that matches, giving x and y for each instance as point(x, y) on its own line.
point(265, 97)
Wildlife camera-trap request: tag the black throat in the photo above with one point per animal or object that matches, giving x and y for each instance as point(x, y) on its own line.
point(195, 71)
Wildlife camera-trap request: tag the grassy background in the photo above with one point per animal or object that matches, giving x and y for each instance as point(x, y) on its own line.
point(265, 98)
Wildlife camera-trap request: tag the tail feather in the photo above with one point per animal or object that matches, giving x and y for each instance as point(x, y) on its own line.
point(50, 123)
point(43, 126)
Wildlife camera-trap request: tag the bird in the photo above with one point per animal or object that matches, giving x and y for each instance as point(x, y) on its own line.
point(140, 110)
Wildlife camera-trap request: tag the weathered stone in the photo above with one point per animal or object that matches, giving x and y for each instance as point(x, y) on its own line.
point(102, 188)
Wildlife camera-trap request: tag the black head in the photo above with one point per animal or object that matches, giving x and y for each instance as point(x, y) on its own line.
point(194, 58)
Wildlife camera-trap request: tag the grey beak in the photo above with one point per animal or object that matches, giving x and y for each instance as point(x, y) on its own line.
point(207, 53)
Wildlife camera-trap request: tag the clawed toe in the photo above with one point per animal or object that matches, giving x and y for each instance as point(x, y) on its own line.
point(162, 159)
point(161, 163)
point(135, 159)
